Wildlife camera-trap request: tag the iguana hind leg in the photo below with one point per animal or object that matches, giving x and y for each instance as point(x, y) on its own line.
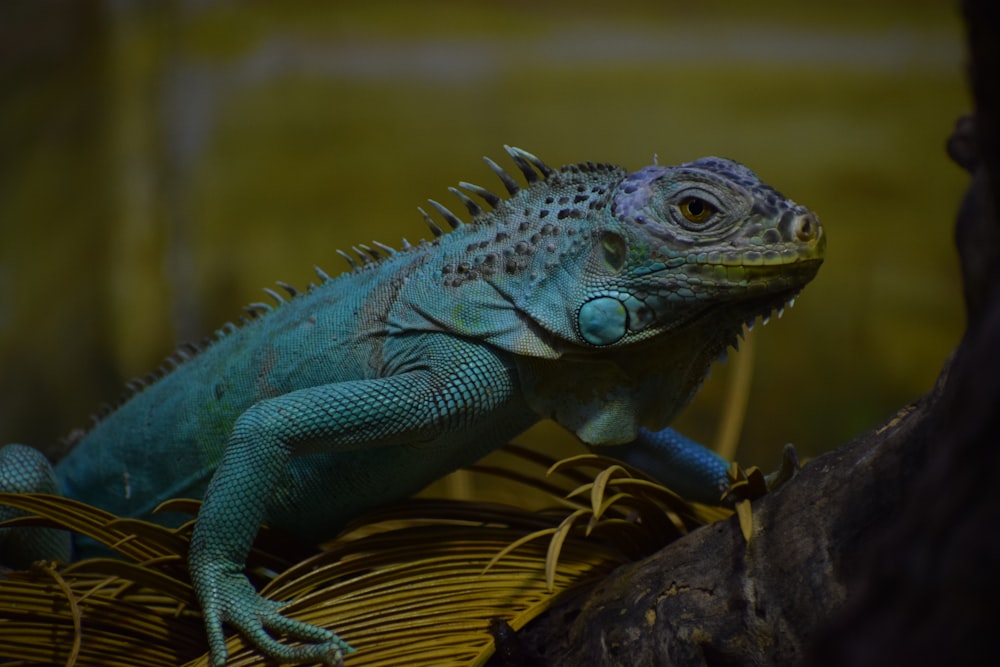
point(24, 469)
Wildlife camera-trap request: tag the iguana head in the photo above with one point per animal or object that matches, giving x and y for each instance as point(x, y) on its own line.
point(706, 239)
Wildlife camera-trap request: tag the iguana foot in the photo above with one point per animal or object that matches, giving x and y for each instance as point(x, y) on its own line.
point(231, 599)
point(752, 483)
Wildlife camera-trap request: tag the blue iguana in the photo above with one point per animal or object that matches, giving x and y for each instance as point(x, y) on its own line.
point(591, 296)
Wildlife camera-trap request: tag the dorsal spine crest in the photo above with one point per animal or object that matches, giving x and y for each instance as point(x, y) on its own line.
point(535, 172)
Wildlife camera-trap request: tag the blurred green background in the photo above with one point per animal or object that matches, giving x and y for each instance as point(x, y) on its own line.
point(160, 162)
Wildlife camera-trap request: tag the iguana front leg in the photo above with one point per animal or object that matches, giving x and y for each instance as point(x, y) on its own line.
point(451, 391)
point(679, 463)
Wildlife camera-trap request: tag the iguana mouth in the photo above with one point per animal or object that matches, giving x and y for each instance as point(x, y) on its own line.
point(731, 294)
point(748, 310)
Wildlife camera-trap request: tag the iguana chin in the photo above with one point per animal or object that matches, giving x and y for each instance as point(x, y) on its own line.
point(594, 297)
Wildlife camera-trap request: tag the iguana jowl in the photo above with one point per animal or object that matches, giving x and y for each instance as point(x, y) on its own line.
point(593, 296)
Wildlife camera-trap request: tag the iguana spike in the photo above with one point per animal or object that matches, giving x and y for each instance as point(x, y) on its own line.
point(274, 295)
point(453, 220)
point(523, 158)
point(471, 206)
point(350, 260)
point(508, 182)
point(387, 249)
point(435, 230)
point(227, 329)
point(530, 174)
point(365, 259)
point(322, 274)
point(406, 245)
point(371, 252)
point(489, 197)
point(259, 307)
point(292, 292)
point(188, 350)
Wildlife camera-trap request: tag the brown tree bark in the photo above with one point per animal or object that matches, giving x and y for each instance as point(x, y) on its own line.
point(885, 551)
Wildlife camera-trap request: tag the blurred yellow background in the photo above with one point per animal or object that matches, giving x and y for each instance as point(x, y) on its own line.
point(161, 162)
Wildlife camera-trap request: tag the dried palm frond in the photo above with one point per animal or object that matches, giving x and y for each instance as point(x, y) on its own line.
point(414, 584)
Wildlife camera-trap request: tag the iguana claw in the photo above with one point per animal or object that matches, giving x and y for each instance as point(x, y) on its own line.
point(234, 601)
point(789, 468)
point(752, 483)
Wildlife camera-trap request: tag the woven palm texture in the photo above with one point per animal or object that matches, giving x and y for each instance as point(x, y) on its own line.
point(414, 584)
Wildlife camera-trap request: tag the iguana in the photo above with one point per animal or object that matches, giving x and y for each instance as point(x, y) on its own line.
point(591, 296)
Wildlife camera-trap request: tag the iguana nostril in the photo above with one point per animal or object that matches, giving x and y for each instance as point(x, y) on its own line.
point(806, 227)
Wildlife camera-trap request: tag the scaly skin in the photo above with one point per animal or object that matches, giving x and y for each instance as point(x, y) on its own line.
point(592, 297)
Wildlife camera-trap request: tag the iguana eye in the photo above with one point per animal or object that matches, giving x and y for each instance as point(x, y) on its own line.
point(696, 210)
